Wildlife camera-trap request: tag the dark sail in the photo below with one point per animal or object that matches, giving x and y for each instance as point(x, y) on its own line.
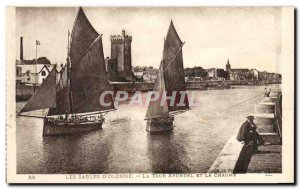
point(154, 108)
point(83, 35)
point(81, 84)
point(45, 96)
point(89, 80)
point(173, 68)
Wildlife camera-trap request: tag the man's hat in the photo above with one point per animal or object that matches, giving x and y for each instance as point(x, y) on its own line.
point(250, 117)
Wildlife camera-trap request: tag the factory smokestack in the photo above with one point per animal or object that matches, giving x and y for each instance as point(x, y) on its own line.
point(21, 48)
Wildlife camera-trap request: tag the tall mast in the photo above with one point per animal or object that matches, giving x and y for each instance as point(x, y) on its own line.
point(68, 44)
point(69, 72)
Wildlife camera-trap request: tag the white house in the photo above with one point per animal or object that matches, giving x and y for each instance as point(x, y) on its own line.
point(139, 75)
point(212, 72)
point(33, 73)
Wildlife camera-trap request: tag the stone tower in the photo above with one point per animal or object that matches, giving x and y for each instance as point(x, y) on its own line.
point(121, 52)
point(228, 67)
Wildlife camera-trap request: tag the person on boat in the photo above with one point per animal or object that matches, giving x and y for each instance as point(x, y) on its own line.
point(66, 118)
point(248, 133)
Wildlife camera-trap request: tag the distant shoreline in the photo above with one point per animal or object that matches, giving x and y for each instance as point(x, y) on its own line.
point(24, 92)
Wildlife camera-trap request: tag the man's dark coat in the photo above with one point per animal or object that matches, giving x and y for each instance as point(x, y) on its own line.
point(244, 132)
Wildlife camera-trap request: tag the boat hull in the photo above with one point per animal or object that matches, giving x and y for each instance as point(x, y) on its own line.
point(70, 128)
point(159, 126)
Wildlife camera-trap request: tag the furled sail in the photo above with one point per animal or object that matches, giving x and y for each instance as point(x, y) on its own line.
point(45, 96)
point(155, 108)
point(173, 69)
point(89, 81)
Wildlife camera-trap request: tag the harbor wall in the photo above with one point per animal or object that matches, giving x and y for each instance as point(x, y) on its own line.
point(129, 86)
point(24, 92)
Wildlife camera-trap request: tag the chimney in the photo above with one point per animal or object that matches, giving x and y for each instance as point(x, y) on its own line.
point(21, 48)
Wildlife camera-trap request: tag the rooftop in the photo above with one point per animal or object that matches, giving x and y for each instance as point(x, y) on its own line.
point(41, 60)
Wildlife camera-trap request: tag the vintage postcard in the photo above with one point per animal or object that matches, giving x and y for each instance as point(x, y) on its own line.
point(150, 94)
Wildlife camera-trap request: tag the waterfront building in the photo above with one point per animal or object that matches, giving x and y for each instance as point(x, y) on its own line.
point(269, 77)
point(121, 53)
point(212, 73)
point(251, 74)
point(239, 74)
point(150, 74)
point(149, 77)
point(145, 73)
point(32, 72)
point(18, 75)
point(139, 76)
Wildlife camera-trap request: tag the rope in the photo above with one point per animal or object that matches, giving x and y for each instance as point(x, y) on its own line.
point(240, 103)
point(174, 56)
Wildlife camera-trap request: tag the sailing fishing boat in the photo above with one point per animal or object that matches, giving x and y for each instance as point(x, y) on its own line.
point(72, 95)
point(170, 82)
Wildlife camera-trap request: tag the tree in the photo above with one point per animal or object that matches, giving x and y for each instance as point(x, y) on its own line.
point(195, 72)
point(43, 60)
point(221, 73)
point(189, 72)
point(200, 72)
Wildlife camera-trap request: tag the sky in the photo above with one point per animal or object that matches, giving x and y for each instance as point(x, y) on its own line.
point(248, 37)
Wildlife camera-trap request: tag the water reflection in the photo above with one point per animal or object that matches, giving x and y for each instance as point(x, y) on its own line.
point(164, 154)
point(60, 151)
point(76, 154)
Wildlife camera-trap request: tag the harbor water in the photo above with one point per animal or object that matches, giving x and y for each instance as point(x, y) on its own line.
point(124, 145)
